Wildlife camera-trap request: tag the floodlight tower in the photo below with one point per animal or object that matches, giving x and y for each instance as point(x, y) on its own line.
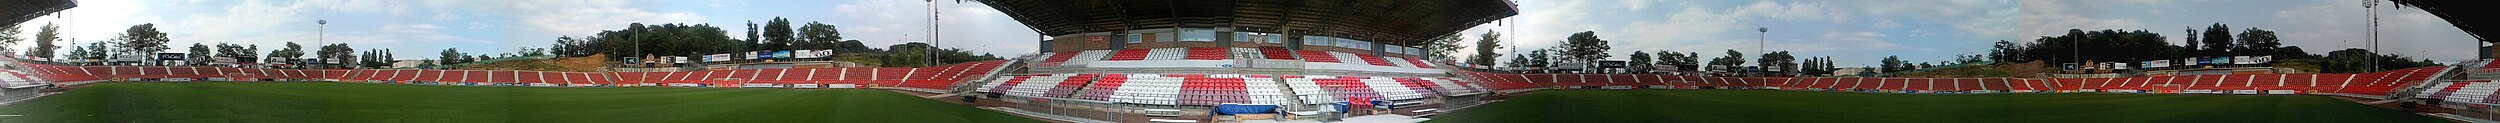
point(2372, 8)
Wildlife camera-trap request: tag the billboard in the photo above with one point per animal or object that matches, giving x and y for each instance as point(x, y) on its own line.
point(809, 54)
point(2157, 64)
point(784, 54)
point(716, 58)
point(2252, 59)
point(1610, 64)
point(750, 55)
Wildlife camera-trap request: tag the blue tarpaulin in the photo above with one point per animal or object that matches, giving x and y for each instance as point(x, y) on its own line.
point(1229, 109)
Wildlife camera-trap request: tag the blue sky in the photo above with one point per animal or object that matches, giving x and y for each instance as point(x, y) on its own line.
point(1855, 32)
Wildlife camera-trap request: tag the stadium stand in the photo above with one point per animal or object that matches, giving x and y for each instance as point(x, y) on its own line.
point(1276, 53)
point(1317, 56)
point(1130, 55)
point(1208, 53)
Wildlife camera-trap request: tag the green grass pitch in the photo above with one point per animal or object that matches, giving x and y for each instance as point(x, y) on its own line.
point(1615, 106)
point(348, 102)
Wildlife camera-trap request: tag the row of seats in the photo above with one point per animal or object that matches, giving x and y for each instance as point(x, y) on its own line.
point(17, 78)
point(1213, 89)
point(933, 77)
point(480, 76)
point(92, 73)
point(2467, 91)
point(1039, 85)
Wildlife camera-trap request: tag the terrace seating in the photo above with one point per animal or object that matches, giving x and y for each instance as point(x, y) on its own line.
point(1453, 87)
point(1208, 53)
point(1088, 57)
point(1059, 57)
point(1418, 63)
point(1369, 59)
point(1276, 53)
point(1130, 55)
point(1167, 53)
point(1317, 56)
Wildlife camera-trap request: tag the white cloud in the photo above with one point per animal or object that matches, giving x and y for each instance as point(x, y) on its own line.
point(2050, 18)
point(1886, 24)
point(588, 16)
point(445, 17)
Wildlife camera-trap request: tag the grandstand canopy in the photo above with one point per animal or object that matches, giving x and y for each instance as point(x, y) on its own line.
point(2461, 13)
point(18, 11)
point(1398, 22)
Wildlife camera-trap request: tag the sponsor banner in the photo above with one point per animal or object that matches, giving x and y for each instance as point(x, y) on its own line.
point(716, 58)
point(809, 54)
point(2157, 64)
point(784, 54)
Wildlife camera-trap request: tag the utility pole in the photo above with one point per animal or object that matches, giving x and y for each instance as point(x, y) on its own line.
point(933, 35)
point(323, 35)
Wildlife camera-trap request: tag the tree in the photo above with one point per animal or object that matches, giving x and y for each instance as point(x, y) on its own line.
point(907, 55)
point(2259, 42)
point(2007, 51)
point(1440, 47)
point(569, 46)
point(97, 51)
point(1691, 60)
point(288, 55)
point(239, 53)
point(2218, 39)
point(1541, 59)
point(751, 32)
point(1732, 60)
point(777, 34)
point(142, 39)
point(450, 56)
point(660, 40)
point(1894, 64)
point(1778, 61)
point(1671, 59)
point(43, 41)
point(2192, 42)
point(816, 36)
point(8, 37)
point(1585, 47)
point(200, 54)
point(1639, 62)
point(1519, 61)
point(338, 53)
point(1485, 44)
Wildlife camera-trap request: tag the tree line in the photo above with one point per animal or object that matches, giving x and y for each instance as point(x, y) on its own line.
point(2217, 40)
point(696, 40)
point(1586, 47)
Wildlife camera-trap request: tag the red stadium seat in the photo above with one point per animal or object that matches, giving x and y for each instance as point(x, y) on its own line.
point(1276, 53)
point(1317, 56)
point(1208, 53)
point(1129, 55)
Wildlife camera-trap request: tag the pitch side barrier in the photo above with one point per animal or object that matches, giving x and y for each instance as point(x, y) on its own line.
point(2377, 83)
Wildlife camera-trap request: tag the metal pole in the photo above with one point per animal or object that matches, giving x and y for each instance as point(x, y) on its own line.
point(2372, 7)
point(933, 35)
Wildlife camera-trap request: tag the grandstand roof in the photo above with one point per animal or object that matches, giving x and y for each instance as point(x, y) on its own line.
point(18, 11)
point(1399, 22)
point(2459, 13)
